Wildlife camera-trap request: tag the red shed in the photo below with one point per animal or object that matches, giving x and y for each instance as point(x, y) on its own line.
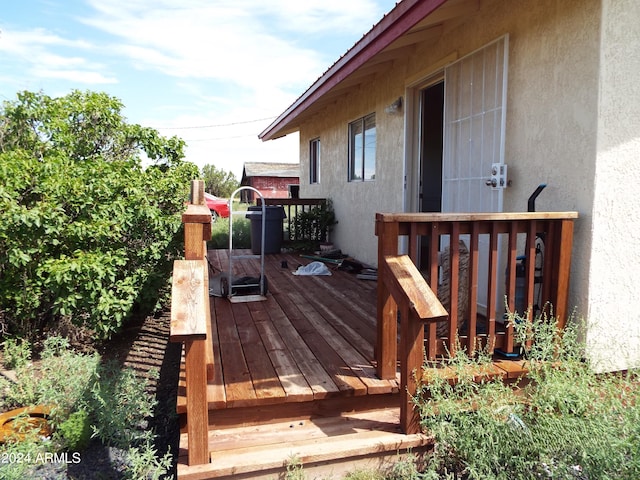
point(273, 180)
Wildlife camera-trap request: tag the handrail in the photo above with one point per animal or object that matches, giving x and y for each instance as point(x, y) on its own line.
point(418, 304)
point(191, 321)
point(423, 237)
point(293, 207)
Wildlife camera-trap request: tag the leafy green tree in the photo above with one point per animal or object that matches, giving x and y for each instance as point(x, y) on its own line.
point(218, 182)
point(86, 232)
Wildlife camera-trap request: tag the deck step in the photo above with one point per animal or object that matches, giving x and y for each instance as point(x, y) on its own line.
point(324, 446)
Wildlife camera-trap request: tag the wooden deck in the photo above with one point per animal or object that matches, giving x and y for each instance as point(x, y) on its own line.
point(295, 370)
point(311, 339)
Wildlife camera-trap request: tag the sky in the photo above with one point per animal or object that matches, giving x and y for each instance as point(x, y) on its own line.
point(214, 72)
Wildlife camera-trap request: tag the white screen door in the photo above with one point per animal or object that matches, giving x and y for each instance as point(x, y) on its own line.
point(474, 116)
point(474, 126)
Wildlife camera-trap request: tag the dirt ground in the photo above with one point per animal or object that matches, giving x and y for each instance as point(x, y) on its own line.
point(143, 346)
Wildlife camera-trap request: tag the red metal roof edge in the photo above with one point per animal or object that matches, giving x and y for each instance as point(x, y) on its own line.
point(394, 24)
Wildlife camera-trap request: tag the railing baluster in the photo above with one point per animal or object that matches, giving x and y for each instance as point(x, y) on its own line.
point(434, 242)
point(558, 230)
point(474, 257)
point(492, 284)
point(297, 205)
point(547, 266)
point(414, 242)
point(530, 268)
point(563, 244)
point(454, 283)
point(511, 282)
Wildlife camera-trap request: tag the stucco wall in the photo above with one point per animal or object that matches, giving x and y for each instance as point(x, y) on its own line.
point(614, 301)
point(573, 122)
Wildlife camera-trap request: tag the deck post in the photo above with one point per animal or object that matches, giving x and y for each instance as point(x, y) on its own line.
point(564, 246)
point(418, 305)
point(197, 230)
point(197, 407)
point(191, 324)
point(411, 355)
point(387, 310)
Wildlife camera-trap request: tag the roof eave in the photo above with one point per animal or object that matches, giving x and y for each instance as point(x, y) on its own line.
point(403, 17)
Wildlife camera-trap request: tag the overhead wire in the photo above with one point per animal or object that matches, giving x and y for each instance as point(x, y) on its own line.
point(217, 125)
point(231, 124)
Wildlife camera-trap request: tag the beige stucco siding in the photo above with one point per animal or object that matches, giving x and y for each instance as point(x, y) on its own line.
point(614, 299)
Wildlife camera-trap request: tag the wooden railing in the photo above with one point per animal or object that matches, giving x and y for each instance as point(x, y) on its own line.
point(495, 237)
point(191, 321)
point(417, 305)
point(292, 208)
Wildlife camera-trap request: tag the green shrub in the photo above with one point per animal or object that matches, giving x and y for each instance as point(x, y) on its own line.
point(76, 431)
point(314, 224)
point(90, 399)
point(144, 462)
point(119, 406)
point(50, 383)
point(87, 233)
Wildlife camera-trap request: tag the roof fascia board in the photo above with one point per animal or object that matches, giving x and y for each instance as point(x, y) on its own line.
point(402, 18)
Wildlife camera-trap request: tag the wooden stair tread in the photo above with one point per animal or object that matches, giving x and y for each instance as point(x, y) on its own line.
point(243, 450)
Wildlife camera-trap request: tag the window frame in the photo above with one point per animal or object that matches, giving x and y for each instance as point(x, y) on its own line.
point(358, 167)
point(314, 161)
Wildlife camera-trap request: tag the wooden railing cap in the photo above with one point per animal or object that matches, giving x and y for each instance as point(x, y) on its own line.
point(196, 214)
point(470, 217)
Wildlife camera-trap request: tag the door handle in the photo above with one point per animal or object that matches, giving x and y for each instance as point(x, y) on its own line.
point(491, 182)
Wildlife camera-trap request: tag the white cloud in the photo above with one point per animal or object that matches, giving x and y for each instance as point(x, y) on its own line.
point(189, 63)
point(199, 40)
point(76, 76)
point(36, 47)
point(252, 43)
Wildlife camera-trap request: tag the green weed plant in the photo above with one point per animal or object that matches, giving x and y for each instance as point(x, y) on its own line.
point(564, 422)
point(16, 352)
point(90, 399)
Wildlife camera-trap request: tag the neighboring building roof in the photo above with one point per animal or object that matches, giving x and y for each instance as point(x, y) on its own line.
point(410, 22)
point(266, 169)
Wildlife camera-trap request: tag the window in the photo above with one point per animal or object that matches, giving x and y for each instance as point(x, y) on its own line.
point(314, 161)
point(362, 149)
